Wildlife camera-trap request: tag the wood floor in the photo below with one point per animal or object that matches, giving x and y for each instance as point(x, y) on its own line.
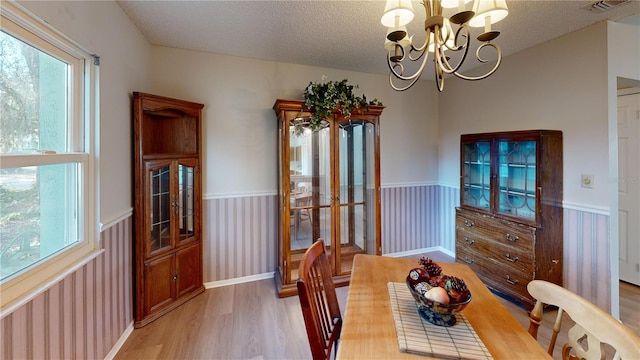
point(249, 321)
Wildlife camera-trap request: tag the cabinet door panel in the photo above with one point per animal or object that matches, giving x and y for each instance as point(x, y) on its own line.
point(476, 174)
point(517, 178)
point(186, 204)
point(159, 205)
point(188, 270)
point(159, 283)
point(355, 177)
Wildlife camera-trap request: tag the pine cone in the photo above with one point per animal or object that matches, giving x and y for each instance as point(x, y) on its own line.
point(432, 268)
point(457, 289)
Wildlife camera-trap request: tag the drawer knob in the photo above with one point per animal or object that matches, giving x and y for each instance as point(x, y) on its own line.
point(468, 223)
point(511, 238)
point(512, 259)
point(512, 282)
point(468, 260)
point(468, 241)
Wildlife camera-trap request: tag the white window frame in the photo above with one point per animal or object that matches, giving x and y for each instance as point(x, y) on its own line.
point(83, 105)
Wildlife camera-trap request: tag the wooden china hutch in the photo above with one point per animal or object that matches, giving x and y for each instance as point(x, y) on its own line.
point(509, 224)
point(168, 241)
point(328, 187)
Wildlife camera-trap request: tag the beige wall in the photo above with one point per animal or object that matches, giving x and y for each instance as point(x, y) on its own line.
point(562, 85)
point(240, 128)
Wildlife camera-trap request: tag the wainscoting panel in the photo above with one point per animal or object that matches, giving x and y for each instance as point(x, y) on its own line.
point(240, 232)
point(417, 217)
point(586, 256)
point(239, 236)
point(83, 315)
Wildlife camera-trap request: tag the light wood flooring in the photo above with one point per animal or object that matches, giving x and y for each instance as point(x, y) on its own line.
point(249, 321)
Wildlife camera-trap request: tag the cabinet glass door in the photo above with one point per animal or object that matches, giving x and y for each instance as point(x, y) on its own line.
point(184, 203)
point(517, 178)
point(476, 174)
point(356, 200)
point(310, 191)
point(159, 181)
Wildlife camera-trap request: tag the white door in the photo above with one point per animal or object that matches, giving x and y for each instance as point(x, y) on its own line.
point(629, 186)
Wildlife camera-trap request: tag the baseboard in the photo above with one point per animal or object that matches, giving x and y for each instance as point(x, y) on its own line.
point(125, 335)
point(239, 280)
point(421, 251)
point(270, 275)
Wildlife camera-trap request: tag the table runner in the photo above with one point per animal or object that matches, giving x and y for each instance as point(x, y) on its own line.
point(419, 336)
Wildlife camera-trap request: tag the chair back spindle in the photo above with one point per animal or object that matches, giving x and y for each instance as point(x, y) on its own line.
point(319, 302)
point(593, 327)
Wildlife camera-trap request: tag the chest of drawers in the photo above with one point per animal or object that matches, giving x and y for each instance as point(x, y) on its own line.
point(506, 255)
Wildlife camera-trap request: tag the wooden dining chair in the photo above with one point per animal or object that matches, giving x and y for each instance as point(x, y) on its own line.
point(319, 302)
point(593, 327)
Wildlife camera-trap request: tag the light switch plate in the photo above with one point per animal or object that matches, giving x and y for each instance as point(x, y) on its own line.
point(587, 181)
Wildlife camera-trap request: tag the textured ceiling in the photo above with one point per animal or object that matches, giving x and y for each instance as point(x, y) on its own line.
point(335, 34)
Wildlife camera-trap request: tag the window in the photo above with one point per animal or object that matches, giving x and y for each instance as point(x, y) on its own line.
point(47, 157)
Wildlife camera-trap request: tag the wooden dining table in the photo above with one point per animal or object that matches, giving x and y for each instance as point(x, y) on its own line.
point(368, 330)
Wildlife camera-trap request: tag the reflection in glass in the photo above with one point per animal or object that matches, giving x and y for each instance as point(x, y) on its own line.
point(185, 201)
point(476, 173)
point(160, 211)
point(357, 181)
point(517, 183)
point(310, 190)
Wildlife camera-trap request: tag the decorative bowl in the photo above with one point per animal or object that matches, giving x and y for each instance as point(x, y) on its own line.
point(435, 312)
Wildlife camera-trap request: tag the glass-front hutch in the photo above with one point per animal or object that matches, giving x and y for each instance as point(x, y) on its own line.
point(509, 224)
point(328, 187)
point(167, 181)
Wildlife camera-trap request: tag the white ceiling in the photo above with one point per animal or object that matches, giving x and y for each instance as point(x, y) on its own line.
point(335, 34)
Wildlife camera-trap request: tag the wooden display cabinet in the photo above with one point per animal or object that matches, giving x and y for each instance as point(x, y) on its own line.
point(328, 187)
point(167, 214)
point(509, 224)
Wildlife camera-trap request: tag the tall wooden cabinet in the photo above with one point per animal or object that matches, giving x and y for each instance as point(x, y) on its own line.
point(509, 223)
point(328, 187)
point(168, 242)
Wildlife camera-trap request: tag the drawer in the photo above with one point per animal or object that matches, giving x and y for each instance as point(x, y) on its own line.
point(498, 276)
point(514, 257)
point(503, 232)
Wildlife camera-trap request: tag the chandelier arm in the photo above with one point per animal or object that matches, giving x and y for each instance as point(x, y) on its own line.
point(401, 88)
point(421, 49)
point(480, 59)
point(400, 75)
point(447, 68)
point(439, 73)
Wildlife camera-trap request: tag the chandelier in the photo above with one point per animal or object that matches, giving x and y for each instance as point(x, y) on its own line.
point(439, 38)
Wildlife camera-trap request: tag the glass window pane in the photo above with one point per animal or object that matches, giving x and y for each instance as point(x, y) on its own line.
point(33, 99)
point(186, 201)
point(39, 214)
point(160, 211)
point(517, 180)
point(476, 174)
